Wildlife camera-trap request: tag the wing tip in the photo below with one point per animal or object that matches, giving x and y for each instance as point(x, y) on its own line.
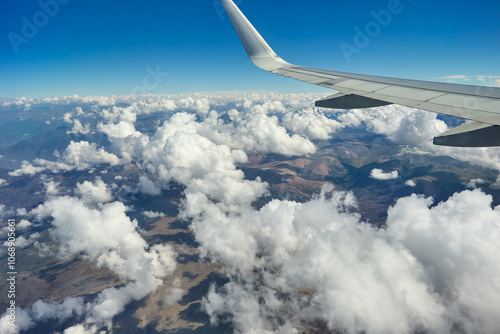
point(256, 47)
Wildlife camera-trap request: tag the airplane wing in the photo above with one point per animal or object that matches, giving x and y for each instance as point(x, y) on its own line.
point(481, 104)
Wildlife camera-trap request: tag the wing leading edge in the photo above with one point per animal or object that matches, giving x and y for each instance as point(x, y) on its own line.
point(478, 103)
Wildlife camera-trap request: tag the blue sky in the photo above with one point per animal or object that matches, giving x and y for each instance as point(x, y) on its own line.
point(109, 47)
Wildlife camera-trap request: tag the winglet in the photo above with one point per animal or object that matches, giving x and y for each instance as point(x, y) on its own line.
point(256, 47)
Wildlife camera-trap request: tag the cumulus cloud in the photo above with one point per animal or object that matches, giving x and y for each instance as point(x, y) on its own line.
point(22, 322)
point(379, 174)
point(148, 187)
point(27, 168)
point(174, 296)
point(79, 128)
point(106, 235)
point(462, 231)
point(177, 151)
point(497, 183)
point(400, 124)
point(316, 247)
point(77, 125)
point(286, 247)
point(474, 183)
point(120, 130)
point(310, 124)
point(103, 234)
point(254, 131)
point(484, 80)
point(289, 264)
point(153, 214)
point(355, 277)
point(23, 241)
point(23, 224)
point(408, 126)
point(93, 192)
point(83, 154)
point(485, 157)
point(257, 129)
point(411, 183)
point(77, 156)
point(51, 187)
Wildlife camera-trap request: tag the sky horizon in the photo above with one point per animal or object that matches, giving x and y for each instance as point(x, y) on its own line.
point(66, 47)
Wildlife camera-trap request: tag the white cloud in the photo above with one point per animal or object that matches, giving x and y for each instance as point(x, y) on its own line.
point(22, 322)
point(415, 127)
point(80, 329)
point(310, 124)
point(79, 111)
point(352, 270)
point(254, 132)
point(93, 192)
point(28, 169)
point(67, 118)
point(174, 296)
point(120, 130)
point(23, 242)
point(177, 151)
point(77, 125)
point(458, 76)
point(288, 263)
point(153, 214)
point(481, 156)
point(464, 232)
point(23, 224)
point(105, 235)
point(474, 183)
point(202, 106)
point(379, 174)
point(79, 128)
point(319, 247)
point(51, 188)
point(496, 185)
point(400, 124)
point(480, 80)
point(148, 187)
point(360, 278)
point(411, 183)
point(21, 212)
point(83, 154)
point(78, 155)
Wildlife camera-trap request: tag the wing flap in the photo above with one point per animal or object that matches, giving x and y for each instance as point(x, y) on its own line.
point(473, 134)
point(349, 101)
